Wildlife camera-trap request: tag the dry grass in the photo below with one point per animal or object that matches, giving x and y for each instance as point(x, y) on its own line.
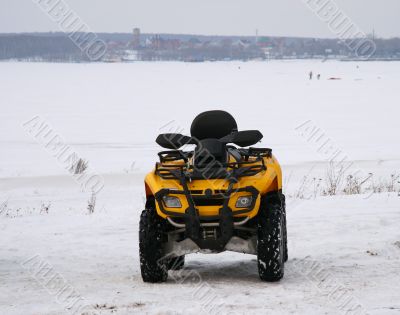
point(92, 203)
point(79, 166)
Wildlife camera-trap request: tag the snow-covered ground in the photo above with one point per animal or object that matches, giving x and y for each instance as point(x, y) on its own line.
point(344, 250)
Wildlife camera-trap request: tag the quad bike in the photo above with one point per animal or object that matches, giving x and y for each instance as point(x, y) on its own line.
point(218, 197)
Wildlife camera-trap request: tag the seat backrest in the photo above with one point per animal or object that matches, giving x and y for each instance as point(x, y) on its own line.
point(213, 124)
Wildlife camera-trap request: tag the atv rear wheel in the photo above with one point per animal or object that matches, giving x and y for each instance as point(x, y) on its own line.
point(286, 255)
point(176, 263)
point(151, 235)
point(271, 240)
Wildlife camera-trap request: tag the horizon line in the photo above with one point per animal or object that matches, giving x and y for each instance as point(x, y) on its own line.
point(188, 34)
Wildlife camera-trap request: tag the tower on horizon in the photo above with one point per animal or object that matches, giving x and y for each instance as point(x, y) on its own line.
point(256, 36)
point(136, 37)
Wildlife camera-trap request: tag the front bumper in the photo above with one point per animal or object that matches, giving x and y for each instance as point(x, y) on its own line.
point(219, 200)
point(217, 237)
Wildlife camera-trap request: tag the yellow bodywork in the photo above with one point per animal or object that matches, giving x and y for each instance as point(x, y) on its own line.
point(265, 181)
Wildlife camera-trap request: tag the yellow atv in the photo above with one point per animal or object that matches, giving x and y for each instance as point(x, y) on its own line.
point(217, 197)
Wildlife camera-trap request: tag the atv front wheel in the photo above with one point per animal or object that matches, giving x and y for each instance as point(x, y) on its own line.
point(151, 234)
point(271, 240)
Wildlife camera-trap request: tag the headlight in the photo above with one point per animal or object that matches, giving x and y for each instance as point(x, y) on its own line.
point(244, 202)
point(172, 202)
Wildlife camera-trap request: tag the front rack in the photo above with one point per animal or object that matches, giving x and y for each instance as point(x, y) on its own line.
point(174, 155)
point(256, 152)
point(167, 170)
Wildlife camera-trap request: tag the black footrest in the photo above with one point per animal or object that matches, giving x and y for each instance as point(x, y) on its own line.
point(225, 224)
point(192, 223)
point(213, 238)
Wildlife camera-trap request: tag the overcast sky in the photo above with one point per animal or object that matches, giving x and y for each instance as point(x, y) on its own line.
point(223, 17)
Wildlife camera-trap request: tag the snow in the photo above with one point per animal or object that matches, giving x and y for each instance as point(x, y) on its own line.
point(343, 250)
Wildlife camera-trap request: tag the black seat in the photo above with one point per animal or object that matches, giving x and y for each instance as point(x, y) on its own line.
point(209, 151)
point(208, 127)
point(212, 130)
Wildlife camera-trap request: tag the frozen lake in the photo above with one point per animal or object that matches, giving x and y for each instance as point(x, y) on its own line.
point(110, 114)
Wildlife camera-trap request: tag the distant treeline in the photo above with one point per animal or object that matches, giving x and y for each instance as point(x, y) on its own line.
point(58, 47)
point(42, 47)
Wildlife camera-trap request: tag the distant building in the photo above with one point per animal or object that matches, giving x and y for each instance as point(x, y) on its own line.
point(156, 42)
point(136, 37)
point(263, 42)
point(242, 43)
